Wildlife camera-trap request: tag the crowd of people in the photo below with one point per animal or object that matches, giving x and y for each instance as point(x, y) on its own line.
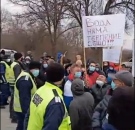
point(64, 95)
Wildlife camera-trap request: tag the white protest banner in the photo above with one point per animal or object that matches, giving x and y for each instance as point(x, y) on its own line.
point(112, 55)
point(103, 30)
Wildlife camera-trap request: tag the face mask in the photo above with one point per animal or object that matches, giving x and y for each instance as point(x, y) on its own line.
point(111, 68)
point(91, 68)
point(97, 69)
point(113, 86)
point(8, 60)
point(100, 83)
point(28, 62)
point(45, 65)
point(35, 73)
point(78, 74)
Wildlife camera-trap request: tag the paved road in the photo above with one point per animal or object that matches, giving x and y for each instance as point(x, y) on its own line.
point(5, 121)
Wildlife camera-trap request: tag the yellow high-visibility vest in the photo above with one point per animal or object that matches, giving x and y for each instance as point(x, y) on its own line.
point(8, 71)
point(39, 103)
point(17, 106)
point(12, 76)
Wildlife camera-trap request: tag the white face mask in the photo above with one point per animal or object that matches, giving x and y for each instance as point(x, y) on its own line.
point(100, 83)
point(28, 62)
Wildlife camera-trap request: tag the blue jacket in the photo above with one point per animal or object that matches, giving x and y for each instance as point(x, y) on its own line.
point(111, 71)
point(2, 68)
point(24, 86)
point(2, 73)
point(108, 127)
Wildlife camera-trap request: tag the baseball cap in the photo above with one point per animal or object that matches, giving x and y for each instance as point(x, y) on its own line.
point(123, 75)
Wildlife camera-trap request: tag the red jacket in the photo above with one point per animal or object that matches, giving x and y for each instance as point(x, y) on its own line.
point(91, 79)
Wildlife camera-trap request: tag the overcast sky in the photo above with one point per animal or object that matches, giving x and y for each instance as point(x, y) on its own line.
point(16, 9)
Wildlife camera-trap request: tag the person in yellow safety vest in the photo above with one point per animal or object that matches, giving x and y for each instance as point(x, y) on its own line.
point(47, 108)
point(16, 68)
point(4, 79)
point(6, 71)
point(24, 89)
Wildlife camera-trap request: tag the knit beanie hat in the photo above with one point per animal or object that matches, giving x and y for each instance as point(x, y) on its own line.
point(34, 65)
point(17, 56)
point(54, 72)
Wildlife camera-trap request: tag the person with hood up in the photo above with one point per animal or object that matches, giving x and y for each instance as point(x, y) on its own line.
point(81, 107)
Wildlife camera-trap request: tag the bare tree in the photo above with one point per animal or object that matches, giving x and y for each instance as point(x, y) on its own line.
point(6, 19)
point(79, 8)
point(48, 12)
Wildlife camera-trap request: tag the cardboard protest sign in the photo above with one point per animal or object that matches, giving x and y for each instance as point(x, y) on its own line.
point(103, 30)
point(112, 55)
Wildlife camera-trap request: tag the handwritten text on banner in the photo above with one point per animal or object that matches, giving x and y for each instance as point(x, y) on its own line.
point(104, 30)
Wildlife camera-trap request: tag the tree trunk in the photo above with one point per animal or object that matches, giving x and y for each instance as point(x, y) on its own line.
point(54, 50)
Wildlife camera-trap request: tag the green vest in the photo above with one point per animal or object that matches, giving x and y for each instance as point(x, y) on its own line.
point(12, 76)
point(39, 103)
point(8, 71)
point(17, 106)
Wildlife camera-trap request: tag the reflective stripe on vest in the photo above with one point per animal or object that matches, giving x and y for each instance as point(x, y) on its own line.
point(17, 105)
point(39, 103)
point(12, 76)
point(7, 72)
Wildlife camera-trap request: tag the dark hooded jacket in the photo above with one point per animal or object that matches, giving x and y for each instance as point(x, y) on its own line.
point(99, 92)
point(81, 107)
point(100, 112)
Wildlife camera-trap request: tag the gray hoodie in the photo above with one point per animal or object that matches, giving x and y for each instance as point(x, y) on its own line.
point(81, 108)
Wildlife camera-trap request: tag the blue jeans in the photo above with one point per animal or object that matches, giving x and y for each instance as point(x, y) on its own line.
point(20, 119)
point(67, 101)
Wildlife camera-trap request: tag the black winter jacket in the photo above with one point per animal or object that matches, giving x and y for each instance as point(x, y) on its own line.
point(100, 113)
point(99, 92)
